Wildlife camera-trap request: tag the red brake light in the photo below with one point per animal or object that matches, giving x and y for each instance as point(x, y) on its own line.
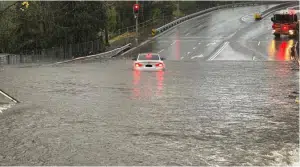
point(285, 28)
point(159, 65)
point(138, 64)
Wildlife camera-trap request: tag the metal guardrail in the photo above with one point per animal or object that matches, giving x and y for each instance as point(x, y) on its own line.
point(270, 10)
point(108, 54)
point(15, 59)
point(185, 18)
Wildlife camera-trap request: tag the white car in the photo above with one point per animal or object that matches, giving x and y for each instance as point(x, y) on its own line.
point(148, 62)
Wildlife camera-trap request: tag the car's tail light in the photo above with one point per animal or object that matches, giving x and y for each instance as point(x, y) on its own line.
point(138, 64)
point(159, 65)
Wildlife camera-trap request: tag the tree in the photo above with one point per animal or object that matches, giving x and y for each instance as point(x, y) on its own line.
point(47, 24)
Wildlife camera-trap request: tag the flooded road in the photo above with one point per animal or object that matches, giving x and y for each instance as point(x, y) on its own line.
point(194, 113)
point(227, 98)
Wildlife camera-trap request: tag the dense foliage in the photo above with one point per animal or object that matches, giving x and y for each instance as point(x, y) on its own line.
point(46, 24)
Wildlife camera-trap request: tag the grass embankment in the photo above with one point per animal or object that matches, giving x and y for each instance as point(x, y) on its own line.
point(123, 36)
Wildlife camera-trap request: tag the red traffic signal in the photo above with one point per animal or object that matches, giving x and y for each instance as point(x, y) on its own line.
point(136, 8)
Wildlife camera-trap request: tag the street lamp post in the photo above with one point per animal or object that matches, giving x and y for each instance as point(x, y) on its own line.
point(136, 8)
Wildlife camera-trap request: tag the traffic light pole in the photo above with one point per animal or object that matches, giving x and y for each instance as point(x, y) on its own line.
point(137, 26)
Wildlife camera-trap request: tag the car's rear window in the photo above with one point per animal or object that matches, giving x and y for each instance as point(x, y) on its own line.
point(285, 18)
point(148, 57)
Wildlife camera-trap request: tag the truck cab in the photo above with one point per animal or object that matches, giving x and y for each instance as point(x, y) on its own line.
point(285, 23)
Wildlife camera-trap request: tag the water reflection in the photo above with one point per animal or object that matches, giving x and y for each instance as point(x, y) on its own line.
point(136, 83)
point(272, 50)
point(177, 46)
point(146, 86)
point(159, 82)
point(280, 50)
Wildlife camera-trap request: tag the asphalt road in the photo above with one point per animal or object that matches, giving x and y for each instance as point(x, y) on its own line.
point(226, 98)
point(216, 37)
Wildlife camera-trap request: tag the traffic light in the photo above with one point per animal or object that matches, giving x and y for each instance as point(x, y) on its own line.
point(136, 8)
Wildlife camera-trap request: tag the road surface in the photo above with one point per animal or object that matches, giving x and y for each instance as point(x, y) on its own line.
point(226, 98)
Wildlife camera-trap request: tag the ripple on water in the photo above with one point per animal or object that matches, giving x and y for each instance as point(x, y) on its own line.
point(5, 107)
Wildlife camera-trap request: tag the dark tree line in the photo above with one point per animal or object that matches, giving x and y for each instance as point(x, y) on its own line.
point(46, 24)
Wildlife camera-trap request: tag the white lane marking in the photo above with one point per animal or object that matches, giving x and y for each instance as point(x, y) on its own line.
point(187, 34)
point(143, 43)
point(161, 41)
point(232, 34)
point(200, 26)
point(258, 43)
point(193, 37)
point(9, 97)
point(219, 51)
point(161, 50)
point(188, 52)
point(194, 48)
point(181, 58)
point(187, 40)
point(212, 43)
point(127, 51)
point(197, 56)
point(173, 42)
point(246, 17)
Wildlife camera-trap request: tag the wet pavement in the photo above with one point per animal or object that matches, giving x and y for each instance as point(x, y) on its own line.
point(222, 108)
point(203, 38)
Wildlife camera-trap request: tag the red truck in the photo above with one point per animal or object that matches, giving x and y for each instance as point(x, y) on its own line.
point(285, 22)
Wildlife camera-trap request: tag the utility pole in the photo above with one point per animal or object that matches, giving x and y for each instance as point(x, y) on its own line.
point(178, 9)
point(136, 8)
point(137, 24)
